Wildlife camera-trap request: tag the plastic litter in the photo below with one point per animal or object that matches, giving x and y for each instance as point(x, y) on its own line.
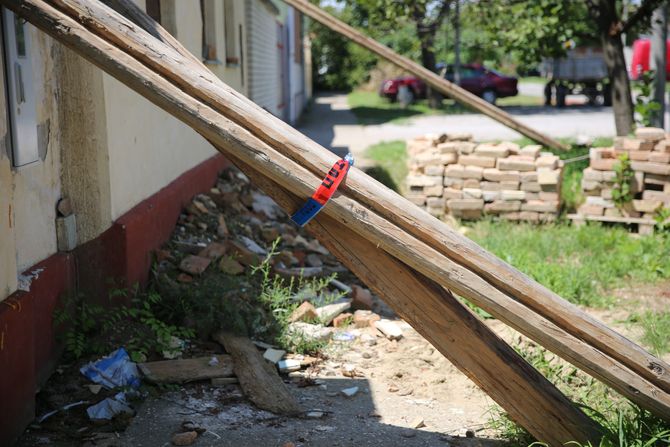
point(115, 370)
point(110, 407)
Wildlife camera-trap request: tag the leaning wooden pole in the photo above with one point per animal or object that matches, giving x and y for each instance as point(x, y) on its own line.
point(382, 201)
point(283, 171)
point(437, 82)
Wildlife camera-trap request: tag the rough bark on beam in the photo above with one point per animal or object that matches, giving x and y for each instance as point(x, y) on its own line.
point(174, 64)
point(241, 144)
point(258, 378)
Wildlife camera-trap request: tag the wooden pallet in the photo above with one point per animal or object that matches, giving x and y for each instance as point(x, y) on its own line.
point(644, 226)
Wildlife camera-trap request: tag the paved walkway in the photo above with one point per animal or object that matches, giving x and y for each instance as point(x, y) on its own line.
point(333, 125)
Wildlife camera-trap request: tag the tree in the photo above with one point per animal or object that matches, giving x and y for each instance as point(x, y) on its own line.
point(608, 17)
point(426, 16)
point(534, 29)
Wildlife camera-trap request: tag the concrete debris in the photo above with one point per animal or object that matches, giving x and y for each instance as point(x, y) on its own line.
point(389, 328)
point(274, 355)
point(328, 312)
point(350, 392)
point(289, 365)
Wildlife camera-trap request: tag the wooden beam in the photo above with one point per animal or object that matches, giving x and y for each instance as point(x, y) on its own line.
point(258, 378)
point(437, 82)
point(241, 144)
point(174, 64)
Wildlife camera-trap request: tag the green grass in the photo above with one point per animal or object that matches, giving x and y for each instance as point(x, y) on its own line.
point(390, 163)
point(533, 80)
point(581, 264)
point(520, 100)
point(370, 108)
point(656, 326)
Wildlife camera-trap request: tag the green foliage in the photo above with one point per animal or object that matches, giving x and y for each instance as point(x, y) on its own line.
point(645, 107)
point(278, 295)
point(622, 191)
point(93, 329)
point(580, 264)
point(662, 219)
point(338, 63)
point(531, 30)
point(390, 163)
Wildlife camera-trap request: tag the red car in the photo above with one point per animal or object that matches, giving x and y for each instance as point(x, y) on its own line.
point(481, 81)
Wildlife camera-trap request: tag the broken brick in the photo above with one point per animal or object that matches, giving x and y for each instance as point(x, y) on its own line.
point(194, 265)
point(305, 312)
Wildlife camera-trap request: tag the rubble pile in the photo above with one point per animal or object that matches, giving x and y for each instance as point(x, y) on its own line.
point(451, 174)
point(649, 156)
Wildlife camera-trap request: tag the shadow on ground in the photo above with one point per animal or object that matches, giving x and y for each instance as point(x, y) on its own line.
point(230, 420)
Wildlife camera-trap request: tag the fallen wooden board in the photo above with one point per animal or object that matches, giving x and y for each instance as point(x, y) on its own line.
point(187, 370)
point(282, 171)
point(174, 65)
point(258, 378)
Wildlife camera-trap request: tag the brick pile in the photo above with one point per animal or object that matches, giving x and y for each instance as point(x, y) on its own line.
point(451, 174)
point(649, 154)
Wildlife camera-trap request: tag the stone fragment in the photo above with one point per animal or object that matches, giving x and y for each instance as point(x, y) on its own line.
point(313, 260)
point(350, 392)
point(477, 160)
point(530, 176)
point(592, 175)
point(328, 312)
point(650, 133)
point(305, 312)
point(512, 195)
point(451, 193)
point(473, 172)
point(313, 332)
point(496, 175)
point(274, 355)
point(540, 206)
point(194, 265)
point(548, 176)
point(532, 151)
point(342, 320)
point(186, 438)
point(491, 150)
point(647, 206)
point(550, 162)
point(436, 202)
point(530, 187)
point(213, 251)
point(471, 183)
point(659, 157)
point(650, 168)
point(230, 266)
point(472, 193)
point(365, 318)
point(500, 206)
point(465, 204)
point(512, 163)
point(389, 328)
point(455, 183)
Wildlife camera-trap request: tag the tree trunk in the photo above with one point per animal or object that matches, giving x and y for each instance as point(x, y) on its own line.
point(622, 104)
point(658, 60)
point(606, 16)
point(427, 38)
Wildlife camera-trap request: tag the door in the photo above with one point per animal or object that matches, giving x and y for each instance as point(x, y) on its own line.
point(20, 89)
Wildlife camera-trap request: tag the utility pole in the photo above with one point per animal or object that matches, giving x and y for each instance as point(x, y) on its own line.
point(659, 35)
point(457, 42)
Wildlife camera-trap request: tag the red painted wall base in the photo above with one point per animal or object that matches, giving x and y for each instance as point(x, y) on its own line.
point(123, 253)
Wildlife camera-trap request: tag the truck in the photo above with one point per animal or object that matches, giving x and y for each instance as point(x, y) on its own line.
point(581, 72)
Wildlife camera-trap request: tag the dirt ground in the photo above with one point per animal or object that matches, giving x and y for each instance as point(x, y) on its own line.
point(408, 394)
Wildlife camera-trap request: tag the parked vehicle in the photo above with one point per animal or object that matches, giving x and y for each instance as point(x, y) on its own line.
point(481, 81)
point(582, 72)
point(640, 62)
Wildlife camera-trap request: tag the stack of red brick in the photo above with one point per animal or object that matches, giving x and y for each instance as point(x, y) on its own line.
point(451, 174)
point(649, 155)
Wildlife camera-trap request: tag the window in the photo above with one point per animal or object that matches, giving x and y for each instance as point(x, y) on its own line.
point(21, 94)
point(232, 55)
point(154, 10)
point(207, 9)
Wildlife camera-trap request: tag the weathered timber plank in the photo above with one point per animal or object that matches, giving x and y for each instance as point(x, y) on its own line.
point(258, 378)
point(187, 370)
point(368, 192)
point(283, 171)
